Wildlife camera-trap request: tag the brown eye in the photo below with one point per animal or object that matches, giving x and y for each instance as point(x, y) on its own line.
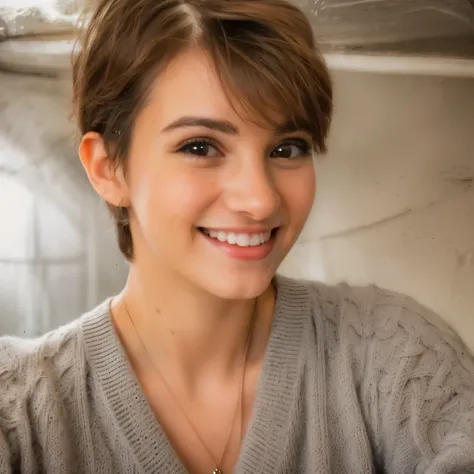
point(291, 150)
point(199, 148)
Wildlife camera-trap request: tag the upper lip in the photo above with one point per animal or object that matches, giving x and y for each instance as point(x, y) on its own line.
point(255, 229)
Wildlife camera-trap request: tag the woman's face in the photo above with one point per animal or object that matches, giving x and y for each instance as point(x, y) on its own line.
point(215, 199)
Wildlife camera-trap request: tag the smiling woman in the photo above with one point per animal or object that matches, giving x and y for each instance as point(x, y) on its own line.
point(227, 145)
point(199, 121)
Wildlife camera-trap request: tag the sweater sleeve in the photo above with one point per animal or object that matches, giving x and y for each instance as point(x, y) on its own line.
point(419, 391)
point(5, 457)
point(13, 396)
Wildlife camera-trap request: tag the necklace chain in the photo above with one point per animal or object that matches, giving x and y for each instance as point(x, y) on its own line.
point(240, 397)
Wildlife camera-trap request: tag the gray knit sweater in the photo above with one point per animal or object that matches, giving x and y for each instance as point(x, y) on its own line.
point(353, 381)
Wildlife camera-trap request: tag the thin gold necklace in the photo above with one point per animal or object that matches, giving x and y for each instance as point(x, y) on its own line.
point(240, 397)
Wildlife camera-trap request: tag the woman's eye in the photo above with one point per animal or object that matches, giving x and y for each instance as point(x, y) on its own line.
point(291, 150)
point(200, 148)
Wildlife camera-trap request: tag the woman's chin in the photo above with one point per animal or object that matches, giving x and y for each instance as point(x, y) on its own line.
point(238, 286)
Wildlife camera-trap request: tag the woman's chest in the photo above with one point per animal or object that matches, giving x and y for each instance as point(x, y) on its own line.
point(206, 430)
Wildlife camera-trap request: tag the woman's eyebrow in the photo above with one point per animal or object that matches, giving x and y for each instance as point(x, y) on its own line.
point(223, 126)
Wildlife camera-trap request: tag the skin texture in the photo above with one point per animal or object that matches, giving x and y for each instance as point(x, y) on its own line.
point(190, 301)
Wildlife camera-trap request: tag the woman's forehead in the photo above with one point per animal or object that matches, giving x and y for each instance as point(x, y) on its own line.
point(189, 90)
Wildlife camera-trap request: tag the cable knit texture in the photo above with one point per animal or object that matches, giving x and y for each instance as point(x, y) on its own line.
point(355, 380)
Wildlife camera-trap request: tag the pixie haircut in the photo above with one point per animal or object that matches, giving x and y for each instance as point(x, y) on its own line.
point(263, 52)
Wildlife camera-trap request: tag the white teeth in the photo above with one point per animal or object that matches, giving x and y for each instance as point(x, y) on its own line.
point(242, 240)
point(255, 240)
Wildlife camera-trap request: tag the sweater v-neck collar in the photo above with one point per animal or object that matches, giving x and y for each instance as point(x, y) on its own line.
point(120, 392)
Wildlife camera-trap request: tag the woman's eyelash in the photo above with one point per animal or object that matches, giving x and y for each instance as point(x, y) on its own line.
point(191, 141)
point(302, 145)
point(301, 142)
point(206, 147)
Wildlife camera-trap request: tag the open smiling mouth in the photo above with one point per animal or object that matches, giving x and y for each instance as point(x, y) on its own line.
point(240, 239)
point(242, 245)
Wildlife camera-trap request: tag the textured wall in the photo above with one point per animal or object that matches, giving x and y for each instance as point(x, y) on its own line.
point(395, 203)
point(57, 251)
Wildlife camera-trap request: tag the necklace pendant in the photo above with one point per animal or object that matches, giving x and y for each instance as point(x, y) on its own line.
point(217, 471)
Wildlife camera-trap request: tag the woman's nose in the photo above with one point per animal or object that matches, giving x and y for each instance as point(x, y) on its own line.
point(251, 191)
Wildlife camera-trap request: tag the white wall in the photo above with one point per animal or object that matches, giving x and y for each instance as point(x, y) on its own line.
point(395, 203)
point(58, 256)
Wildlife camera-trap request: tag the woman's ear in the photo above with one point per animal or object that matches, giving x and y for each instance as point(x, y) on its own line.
point(106, 178)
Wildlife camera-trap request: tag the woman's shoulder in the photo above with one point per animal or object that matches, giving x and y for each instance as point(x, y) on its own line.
point(396, 323)
point(29, 367)
point(37, 377)
point(42, 382)
point(26, 362)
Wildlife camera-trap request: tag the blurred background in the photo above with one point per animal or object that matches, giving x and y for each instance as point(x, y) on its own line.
point(395, 201)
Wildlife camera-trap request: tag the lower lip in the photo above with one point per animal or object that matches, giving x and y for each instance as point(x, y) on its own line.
point(258, 252)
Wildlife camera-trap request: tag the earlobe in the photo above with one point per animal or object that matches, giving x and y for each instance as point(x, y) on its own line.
point(106, 178)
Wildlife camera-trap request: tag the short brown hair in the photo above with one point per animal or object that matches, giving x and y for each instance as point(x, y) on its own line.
point(263, 51)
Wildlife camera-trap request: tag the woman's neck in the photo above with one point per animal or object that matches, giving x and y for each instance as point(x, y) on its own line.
point(190, 334)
